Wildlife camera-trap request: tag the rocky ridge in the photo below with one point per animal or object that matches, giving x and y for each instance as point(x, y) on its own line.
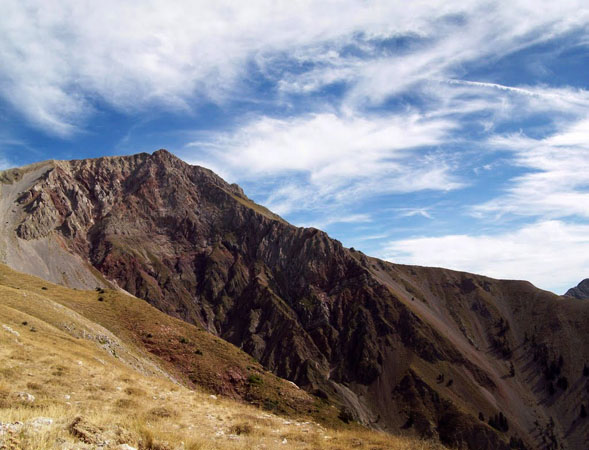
point(426, 350)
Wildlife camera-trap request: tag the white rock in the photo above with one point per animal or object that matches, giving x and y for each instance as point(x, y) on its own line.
point(26, 397)
point(284, 441)
point(10, 428)
point(40, 422)
point(67, 397)
point(10, 330)
point(214, 397)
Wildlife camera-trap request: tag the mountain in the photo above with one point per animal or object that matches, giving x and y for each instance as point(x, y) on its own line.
point(581, 291)
point(103, 369)
point(462, 358)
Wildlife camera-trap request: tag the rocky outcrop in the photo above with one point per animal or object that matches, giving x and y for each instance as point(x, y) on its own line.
point(393, 346)
point(581, 291)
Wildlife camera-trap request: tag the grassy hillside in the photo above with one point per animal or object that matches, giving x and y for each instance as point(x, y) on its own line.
point(101, 369)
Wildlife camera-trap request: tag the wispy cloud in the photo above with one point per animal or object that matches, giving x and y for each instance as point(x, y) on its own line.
point(555, 184)
point(61, 60)
point(552, 254)
point(412, 212)
point(325, 222)
point(335, 158)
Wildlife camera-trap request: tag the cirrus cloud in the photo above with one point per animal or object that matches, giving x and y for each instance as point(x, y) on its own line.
point(333, 157)
point(63, 61)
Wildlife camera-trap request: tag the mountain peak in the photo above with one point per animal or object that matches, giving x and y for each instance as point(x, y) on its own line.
point(164, 153)
point(375, 338)
point(165, 156)
point(581, 291)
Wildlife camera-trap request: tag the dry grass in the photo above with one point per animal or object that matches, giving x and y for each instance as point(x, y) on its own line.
point(124, 397)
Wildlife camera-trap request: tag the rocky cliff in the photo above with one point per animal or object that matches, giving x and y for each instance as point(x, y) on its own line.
point(471, 361)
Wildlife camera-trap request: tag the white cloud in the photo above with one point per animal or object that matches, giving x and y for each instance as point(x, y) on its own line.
point(553, 255)
point(555, 184)
point(60, 59)
point(480, 32)
point(520, 100)
point(411, 212)
point(325, 222)
point(335, 159)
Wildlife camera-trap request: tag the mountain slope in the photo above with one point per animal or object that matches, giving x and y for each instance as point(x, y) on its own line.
point(77, 373)
point(420, 349)
point(581, 291)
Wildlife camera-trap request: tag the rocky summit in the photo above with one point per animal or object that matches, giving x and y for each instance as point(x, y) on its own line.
point(581, 291)
point(464, 359)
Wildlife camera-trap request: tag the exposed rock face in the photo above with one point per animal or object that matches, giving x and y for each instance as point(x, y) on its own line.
point(581, 291)
point(396, 346)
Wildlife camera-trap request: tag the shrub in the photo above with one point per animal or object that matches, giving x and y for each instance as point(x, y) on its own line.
point(270, 405)
point(345, 415)
point(241, 428)
point(563, 383)
point(499, 422)
point(255, 380)
point(160, 413)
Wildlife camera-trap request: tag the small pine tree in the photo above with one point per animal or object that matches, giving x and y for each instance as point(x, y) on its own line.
point(492, 422)
point(502, 422)
point(551, 389)
point(563, 383)
point(583, 412)
point(511, 370)
point(481, 417)
point(585, 371)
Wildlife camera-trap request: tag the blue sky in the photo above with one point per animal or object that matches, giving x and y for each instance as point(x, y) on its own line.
point(451, 133)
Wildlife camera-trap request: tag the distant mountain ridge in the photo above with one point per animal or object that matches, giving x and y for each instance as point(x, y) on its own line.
point(581, 291)
point(462, 358)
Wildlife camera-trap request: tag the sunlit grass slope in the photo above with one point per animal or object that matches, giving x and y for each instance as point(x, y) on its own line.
point(89, 369)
